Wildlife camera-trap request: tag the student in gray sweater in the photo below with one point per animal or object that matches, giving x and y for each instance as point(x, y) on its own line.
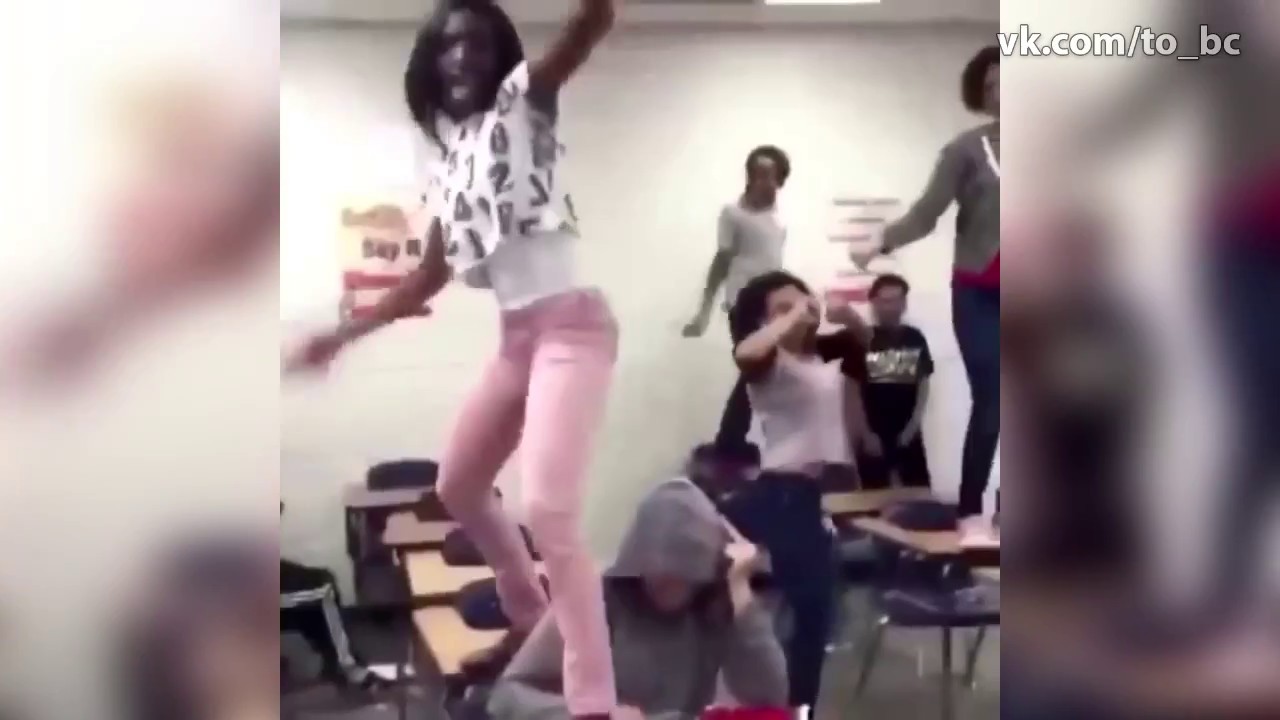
point(968, 174)
point(681, 614)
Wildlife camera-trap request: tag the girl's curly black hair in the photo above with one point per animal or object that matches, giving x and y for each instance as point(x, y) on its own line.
point(973, 81)
point(779, 158)
point(752, 304)
point(423, 86)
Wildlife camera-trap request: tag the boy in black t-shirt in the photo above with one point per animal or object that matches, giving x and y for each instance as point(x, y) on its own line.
point(895, 391)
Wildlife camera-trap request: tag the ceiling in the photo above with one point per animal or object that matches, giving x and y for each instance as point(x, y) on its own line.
point(665, 12)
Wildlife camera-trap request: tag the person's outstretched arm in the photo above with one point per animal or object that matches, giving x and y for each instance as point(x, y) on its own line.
point(938, 195)
point(726, 247)
point(406, 299)
point(588, 25)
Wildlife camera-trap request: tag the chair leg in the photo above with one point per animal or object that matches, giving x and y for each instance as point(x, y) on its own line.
point(871, 653)
point(948, 678)
point(971, 659)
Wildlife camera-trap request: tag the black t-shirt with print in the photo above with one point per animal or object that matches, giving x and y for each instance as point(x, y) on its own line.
point(896, 363)
point(843, 346)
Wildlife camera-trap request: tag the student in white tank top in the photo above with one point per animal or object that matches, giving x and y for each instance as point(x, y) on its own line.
point(503, 222)
point(805, 399)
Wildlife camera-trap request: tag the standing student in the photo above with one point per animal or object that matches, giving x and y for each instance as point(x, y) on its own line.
point(505, 223)
point(968, 174)
point(749, 243)
point(799, 390)
point(895, 391)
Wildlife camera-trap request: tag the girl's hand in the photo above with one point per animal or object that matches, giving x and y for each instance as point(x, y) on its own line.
point(808, 312)
point(744, 558)
point(316, 353)
point(840, 313)
point(872, 446)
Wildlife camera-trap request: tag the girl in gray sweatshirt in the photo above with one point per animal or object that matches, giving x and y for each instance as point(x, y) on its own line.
point(681, 614)
point(968, 175)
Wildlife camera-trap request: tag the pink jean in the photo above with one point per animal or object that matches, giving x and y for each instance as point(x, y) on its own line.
point(545, 392)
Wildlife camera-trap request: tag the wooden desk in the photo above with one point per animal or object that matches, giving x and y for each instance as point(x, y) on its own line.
point(359, 497)
point(406, 532)
point(448, 639)
point(433, 581)
point(870, 502)
point(942, 544)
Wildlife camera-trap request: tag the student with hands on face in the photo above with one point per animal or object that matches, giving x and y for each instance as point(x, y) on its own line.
point(681, 614)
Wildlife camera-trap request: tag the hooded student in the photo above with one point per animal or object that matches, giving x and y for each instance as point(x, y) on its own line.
point(681, 613)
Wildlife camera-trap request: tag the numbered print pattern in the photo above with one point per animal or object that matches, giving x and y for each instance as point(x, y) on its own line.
point(501, 183)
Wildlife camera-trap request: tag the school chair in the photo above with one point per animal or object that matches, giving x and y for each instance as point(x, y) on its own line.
point(378, 581)
point(921, 592)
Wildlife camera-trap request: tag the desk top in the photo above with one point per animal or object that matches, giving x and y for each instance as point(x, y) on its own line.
point(946, 542)
point(870, 502)
point(404, 529)
point(359, 497)
point(430, 576)
point(449, 639)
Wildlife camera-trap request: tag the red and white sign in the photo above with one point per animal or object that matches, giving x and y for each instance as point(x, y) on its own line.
point(856, 226)
point(380, 243)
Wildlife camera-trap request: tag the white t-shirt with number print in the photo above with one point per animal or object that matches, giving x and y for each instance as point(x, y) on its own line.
point(507, 222)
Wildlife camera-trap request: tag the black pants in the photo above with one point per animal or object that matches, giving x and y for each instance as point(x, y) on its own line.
point(735, 421)
point(783, 514)
point(975, 313)
point(310, 606)
point(909, 461)
point(1245, 290)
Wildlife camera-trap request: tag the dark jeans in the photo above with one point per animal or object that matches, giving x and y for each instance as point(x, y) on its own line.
point(975, 314)
point(1245, 291)
point(783, 514)
point(735, 421)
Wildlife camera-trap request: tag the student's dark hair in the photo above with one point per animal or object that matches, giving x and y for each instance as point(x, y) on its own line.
point(973, 81)
point(752, 304)
point(423, 86)
point(779, 158)
point(889, 280)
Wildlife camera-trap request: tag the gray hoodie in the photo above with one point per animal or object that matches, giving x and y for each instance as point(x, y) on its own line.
point(964, 176)
point(667, 666)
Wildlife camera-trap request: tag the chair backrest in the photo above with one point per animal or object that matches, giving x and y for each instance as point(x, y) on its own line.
point(459, 551)
point(478, 605)
point(402, 474)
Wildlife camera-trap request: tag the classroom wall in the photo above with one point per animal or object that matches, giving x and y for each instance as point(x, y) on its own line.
point(657, 128)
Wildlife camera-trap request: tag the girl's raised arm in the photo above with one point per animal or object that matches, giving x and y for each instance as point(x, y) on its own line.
point(588, 25)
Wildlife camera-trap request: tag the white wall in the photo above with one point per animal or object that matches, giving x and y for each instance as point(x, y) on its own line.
point(657, 128)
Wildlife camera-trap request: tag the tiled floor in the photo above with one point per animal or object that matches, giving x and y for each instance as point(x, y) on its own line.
point(905, 684)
